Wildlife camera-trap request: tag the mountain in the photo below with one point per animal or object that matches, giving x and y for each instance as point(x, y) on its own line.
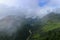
point(50, 29)
point(51, 16)
point(13, 27)
point(51, 26)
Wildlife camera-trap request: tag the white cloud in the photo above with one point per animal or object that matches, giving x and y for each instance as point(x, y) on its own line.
point(49, 7)
point(25, 6)
point(21, 3)
point(31, 7)
point(53, 3)
point(8, 2)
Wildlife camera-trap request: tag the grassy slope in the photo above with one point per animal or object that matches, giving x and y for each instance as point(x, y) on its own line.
point(48, 32)
point(51, 25)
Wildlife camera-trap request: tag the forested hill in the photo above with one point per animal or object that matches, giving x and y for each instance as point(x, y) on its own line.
point(52, 17)
point(50, 29)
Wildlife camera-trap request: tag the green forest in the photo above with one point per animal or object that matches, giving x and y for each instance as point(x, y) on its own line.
point(48, 30)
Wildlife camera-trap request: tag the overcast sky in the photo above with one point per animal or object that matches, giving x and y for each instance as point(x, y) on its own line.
point(38, 7)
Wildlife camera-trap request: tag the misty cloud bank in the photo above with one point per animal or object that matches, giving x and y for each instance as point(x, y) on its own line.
point(28, 8)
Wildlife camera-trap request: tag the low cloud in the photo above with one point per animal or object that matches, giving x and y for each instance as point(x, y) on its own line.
point(27, 7)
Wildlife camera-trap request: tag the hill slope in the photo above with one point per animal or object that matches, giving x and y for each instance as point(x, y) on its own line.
point(50, 29)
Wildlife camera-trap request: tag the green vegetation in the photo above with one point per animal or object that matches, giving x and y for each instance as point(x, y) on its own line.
point(50, 25)
point(49, 31)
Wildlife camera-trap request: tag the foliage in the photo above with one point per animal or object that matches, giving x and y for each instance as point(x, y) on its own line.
point(50, 25)
point(50, 31)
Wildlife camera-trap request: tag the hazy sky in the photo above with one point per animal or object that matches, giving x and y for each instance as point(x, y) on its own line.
point(39, 7)
point(42, 3)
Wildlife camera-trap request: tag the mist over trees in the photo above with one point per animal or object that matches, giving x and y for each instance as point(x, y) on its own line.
point(19, 24)
point(50, 27)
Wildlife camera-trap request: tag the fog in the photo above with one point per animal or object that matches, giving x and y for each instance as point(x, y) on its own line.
point(28, 8)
